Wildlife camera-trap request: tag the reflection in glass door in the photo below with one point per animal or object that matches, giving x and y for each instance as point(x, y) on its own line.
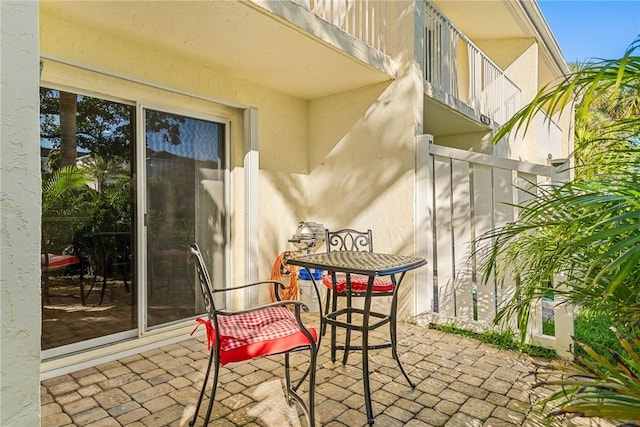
point(87, 258)
point(185, 204)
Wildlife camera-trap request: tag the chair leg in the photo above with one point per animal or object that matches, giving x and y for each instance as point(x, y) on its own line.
point(204, 387)
point(124, 278)
point(312, 384)
point(309, 407)
point(394, 339)
point(334, 298)
point(82, 300)
point(214, 387)
point(287, 380)
point(347, 337)
point(326, 311)
point(45, 291)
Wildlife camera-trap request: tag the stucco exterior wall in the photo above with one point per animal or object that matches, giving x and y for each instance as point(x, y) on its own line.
point(476, 141)
point(519, 59)
point(362, 155)
point(282, 120)
point(523, 73)
point(20, 187)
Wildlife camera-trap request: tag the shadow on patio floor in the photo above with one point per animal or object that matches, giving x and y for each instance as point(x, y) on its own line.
point(460, 382)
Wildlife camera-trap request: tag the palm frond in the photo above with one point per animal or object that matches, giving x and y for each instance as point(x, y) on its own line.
point(60, 183)
point(588, 83)
point(592, 386)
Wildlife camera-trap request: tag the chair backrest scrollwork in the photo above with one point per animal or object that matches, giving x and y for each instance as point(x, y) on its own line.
point(348, 239)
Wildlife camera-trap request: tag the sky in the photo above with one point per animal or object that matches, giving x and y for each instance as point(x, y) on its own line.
point(586, 29)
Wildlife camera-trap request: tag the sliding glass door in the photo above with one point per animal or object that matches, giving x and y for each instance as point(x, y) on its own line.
point(111, 270)
point(185, 204)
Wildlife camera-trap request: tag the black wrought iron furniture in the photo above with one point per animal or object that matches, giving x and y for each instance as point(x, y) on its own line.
point(60, 254)
point(348, 239)
point(112, 255)
point(52, 262)
point(236, 336)
point(371, 265)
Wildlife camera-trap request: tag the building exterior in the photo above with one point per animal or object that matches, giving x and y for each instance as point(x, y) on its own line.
point(240, 119)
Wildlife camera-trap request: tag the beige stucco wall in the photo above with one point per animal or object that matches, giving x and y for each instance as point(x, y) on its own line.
point(519, 58)
point(19, 217)
point(282, 119)
point(362, 154)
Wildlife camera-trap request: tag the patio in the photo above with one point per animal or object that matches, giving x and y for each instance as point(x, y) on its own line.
point(460, 382)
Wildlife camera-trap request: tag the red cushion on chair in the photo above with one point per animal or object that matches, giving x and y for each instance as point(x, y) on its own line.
point(58, 261)
point(259, 333)
point(358, 283)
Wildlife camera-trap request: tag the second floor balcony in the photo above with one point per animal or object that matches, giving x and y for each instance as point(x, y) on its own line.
point(457, 71)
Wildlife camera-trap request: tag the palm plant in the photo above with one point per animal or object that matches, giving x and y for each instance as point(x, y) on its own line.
point(581, 241)
point(59, 187)
point(594, 386)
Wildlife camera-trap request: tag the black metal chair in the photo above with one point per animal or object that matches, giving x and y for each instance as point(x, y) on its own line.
point(61, 259)
point(236, 336)
point(350, 286)
point(112, 252)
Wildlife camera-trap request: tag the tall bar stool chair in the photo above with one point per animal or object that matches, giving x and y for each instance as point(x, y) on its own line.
point(352, 286)
point(237, 336)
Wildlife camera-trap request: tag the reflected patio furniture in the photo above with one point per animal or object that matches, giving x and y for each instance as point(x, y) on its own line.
point(237, 336)
point(169, 264)
point(61, 254)
point(59, 263)
point(112, 253)
point(371, 265)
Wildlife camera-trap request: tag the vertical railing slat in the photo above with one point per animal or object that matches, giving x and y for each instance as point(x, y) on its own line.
point(483, 222)
point(444, 241)
point(504, 213)
point(461, 225)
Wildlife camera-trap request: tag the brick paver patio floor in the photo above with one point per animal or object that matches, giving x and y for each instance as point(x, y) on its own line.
point(460, 382)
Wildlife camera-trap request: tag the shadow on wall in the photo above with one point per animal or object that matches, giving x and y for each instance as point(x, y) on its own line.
point(359, 149)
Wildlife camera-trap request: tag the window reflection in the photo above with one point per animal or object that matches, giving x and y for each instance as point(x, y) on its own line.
point(86, 160)
point(185, 204)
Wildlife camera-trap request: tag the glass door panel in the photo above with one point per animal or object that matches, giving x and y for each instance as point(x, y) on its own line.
point(87, 257)
point(185, 204)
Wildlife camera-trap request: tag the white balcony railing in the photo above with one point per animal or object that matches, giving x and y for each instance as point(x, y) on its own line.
point(363, 19)
point(456, 66)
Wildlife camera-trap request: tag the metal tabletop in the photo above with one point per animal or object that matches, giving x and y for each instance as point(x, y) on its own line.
point(367, 263)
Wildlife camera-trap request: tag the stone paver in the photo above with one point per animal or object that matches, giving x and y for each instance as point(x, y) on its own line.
point(459, 382)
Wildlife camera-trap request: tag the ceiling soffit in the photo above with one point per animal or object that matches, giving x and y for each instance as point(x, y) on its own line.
point(241, 37)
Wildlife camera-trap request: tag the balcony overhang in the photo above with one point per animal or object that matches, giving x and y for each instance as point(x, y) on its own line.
point(285, 47)
point(444, 115)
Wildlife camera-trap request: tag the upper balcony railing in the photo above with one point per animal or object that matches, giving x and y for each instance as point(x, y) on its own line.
point(363, 19)
point(456, 66)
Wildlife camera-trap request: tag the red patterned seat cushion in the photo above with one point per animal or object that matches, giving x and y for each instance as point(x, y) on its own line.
point(58, 261)
point(358, 283)
point(258, 333)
